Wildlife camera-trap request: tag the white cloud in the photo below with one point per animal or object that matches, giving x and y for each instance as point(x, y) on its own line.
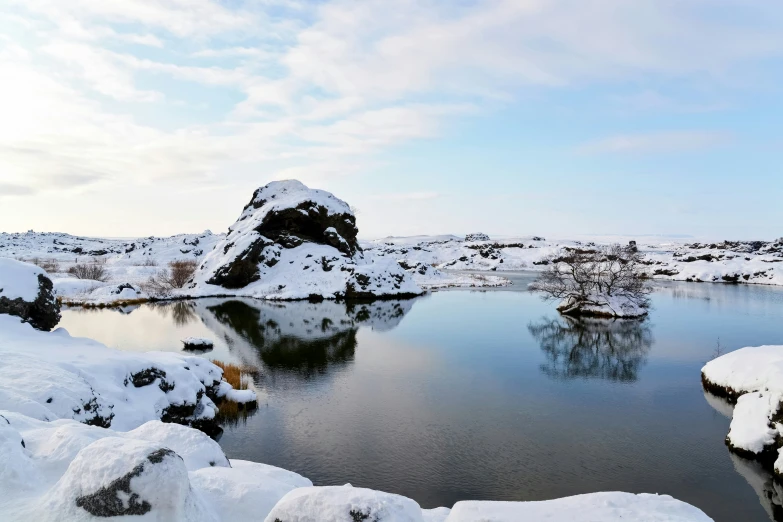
point(669, 141)
point(319, 88)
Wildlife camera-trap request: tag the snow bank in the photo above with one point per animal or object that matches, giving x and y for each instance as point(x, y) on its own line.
point(293, 242)
point(19, 280)
point(753, 377)
point(53, 375)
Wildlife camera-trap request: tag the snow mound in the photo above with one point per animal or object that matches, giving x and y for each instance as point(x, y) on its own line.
point(247, 490)
point(606, 507)
point(195, 448)
point(343, 503)
point(26, 292)
point(293, 242)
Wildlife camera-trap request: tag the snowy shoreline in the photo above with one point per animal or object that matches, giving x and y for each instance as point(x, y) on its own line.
point(434, 263)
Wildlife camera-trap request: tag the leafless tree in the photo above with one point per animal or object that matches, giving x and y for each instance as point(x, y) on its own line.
point(94, 269)
point(584, 277)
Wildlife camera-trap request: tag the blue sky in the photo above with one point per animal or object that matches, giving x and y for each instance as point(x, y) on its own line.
point(511, 117)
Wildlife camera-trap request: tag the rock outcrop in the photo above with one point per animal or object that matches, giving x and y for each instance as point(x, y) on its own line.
point(292, 242)
point(26, 292)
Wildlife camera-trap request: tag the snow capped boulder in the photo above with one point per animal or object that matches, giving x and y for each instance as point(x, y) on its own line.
point(293, 242)
point(26, 292)
point(344, 504)
point(478, 236)
point(119, 477)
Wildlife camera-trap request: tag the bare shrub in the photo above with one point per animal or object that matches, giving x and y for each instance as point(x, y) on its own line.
point(149, 262)
point(588, 277)
point(95, 269)
point(178, 273)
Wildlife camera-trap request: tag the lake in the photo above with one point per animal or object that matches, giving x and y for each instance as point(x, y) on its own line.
point(482, 394)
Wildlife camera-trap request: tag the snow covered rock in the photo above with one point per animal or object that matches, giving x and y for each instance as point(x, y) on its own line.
point(753, 377)
point(197, 344)
point(604, 507)
point(292, 242)
point(119, 477)
point(478, 236)
point(26, 292)
point(344, 504)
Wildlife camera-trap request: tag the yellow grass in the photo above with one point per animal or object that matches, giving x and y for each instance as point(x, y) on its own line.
point(230, 412)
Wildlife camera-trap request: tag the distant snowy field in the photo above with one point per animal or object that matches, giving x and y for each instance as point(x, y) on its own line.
point(432, 261)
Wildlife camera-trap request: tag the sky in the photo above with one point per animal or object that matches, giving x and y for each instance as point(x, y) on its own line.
point(130, 118)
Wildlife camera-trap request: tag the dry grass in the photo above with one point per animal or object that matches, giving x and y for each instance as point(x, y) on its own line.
point(230, 412)
point(237, 376)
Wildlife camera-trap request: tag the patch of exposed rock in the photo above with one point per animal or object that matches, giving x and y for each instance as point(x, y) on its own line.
point(27, 292)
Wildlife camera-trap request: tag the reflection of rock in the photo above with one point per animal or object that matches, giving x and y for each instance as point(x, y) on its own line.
point(769, 490)
point(299, 336)
point(606, 349)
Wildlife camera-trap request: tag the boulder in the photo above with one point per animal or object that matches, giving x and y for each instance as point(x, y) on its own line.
point(293, 242)
point(26, 292)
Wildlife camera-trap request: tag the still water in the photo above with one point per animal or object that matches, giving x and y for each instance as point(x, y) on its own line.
point(482, 394)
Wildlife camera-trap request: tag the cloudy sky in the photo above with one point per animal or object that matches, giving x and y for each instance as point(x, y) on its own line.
point(141, 117)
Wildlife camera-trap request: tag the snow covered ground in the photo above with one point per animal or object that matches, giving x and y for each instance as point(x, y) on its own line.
point(433, 262)
point(726, 261)
point(753, 377)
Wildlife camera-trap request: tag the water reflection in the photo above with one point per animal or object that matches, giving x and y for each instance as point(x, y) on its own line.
point(299, 337)
point(593, 348)
point(181, 312)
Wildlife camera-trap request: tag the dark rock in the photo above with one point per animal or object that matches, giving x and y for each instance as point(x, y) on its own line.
point(43, 313)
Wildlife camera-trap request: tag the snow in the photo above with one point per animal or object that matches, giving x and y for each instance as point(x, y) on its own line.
point(133, 261)
point(604, 507)
point(755, 374)
point(19, 280)
point(247, 490)
point(196, 448)
point(751, 428)
point(53, 375)
point(336, 503)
